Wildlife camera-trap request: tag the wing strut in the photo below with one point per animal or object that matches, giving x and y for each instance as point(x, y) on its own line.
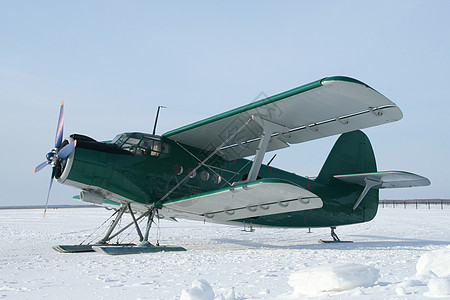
point(370, 183)
point(203, 162)
point(211, 168)
point(268, 128)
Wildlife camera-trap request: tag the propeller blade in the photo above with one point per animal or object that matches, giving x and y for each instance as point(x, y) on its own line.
point(67, 149)
point(40, 166)
point(49, 189)
point(59, 129)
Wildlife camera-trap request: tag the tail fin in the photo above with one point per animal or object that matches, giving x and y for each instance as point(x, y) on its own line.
point(352, 153)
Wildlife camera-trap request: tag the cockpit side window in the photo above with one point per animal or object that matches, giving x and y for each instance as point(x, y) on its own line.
point(131, 142)
point(142, 144)
point(156, 148)
point(120, 139)
point(153, 147)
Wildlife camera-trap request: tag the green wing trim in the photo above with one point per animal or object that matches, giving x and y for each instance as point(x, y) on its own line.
point(342, 78)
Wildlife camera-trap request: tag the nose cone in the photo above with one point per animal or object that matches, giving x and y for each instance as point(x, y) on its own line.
point(50, 156)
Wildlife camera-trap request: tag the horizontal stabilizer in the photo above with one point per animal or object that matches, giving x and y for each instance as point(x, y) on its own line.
point(259, 198)
point(386, 180)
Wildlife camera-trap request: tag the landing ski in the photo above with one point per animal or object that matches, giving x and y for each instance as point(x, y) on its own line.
point(121, 250)
point(333, 242)
point(73, 248)
point(82, 248)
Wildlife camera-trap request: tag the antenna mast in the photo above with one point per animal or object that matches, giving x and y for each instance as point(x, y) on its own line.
point(156, 119)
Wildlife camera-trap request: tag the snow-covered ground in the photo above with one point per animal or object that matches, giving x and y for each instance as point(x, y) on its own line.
point(403, 253)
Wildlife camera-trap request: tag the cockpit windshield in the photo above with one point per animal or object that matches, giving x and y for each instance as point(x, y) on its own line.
point(141, 144)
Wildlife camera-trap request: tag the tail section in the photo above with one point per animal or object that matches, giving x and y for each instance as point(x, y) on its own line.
point(352, 153)
point(351, 181)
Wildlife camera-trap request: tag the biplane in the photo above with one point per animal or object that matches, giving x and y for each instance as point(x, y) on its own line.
point(212, 170)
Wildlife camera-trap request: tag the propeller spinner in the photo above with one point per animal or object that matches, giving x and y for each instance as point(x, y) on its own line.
point(57, 154)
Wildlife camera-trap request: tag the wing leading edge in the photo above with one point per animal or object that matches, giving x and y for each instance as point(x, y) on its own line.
point(322, 108)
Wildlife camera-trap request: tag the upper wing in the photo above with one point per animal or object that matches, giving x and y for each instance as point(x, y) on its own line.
point(322, 108)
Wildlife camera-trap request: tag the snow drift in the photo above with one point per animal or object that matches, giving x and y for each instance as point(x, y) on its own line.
point(436, 266)
point(202, 290)
point(437, 261)
point(331, 279)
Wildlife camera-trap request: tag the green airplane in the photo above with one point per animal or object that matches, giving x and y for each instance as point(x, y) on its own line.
point(200, 171)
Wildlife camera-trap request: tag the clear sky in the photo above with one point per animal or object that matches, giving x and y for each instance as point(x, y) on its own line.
point(114, 62)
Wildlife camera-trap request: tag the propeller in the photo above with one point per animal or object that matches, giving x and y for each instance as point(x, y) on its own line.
point(57, 154)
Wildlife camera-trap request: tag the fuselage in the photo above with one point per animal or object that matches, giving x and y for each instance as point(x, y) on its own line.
point(149, 170)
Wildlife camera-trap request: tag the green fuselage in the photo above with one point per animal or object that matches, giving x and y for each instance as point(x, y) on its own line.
point(154, 180)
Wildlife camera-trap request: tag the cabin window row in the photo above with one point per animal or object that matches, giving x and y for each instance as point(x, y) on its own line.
point(192, 173)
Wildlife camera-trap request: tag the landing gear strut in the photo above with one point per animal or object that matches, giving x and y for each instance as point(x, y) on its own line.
point(336, 239)
point(249, 228)
point(334, 235)
point(102, 246)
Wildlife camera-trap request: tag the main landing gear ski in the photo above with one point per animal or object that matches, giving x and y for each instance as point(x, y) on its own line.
point(102, 246)
point(335, 238)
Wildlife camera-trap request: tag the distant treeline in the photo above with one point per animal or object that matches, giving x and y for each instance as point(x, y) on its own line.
point(416, 202)
point(420, 201)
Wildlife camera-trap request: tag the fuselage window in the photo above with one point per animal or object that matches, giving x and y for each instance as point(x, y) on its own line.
point(192, 173)
point(217, 178)
point(178, 169)
point(204, 175)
